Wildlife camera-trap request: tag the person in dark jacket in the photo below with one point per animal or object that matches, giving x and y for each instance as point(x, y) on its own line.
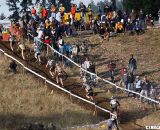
point(145, 88)
point(132, 65)
point(13, 66)
point(130, 82)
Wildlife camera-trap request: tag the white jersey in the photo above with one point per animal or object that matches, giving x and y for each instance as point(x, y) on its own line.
point(113, 103)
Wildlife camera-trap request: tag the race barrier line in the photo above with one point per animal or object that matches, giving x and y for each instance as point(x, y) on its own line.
point(57, 86)
point(97, 77)
point(86, 126)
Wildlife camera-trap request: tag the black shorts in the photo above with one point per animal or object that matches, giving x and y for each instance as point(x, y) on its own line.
point(114, 109)
point(90, 94)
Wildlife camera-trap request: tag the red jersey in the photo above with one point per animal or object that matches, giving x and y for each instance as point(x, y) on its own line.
point(44, 13)
point(33, 11)
point(73, 10)
point(47, 41)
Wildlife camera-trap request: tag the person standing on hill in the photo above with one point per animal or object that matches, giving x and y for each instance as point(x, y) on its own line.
point(111, 67)
point(132, 65)
point(13, 66)
point(145, 88)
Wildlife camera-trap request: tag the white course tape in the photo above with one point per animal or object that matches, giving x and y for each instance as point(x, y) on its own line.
point(106, 81)
point(57, 86)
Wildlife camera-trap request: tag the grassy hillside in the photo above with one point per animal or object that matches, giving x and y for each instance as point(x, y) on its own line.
point(25, 100)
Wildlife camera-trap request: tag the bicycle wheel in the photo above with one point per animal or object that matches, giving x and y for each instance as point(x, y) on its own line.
point(64, 75)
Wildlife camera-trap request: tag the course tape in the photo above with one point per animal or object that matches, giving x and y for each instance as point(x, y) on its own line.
point(57, 86)
point(106, 81)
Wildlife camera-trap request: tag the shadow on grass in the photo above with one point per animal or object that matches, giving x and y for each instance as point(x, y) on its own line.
point(67, 119)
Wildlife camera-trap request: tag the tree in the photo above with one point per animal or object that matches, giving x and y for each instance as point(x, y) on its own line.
point(149, 6)
point(93, 6)
point(13, 7)
point(2, 16)
point(25, 5)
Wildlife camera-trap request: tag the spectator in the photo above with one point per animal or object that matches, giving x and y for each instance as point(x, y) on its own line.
point(133, 16)
point(61, 10)
point(73, 11)
point(61, 44)
point(145, 88)
point(152, 95)
point(86, 64)
point(138, 26)
point(83, 9)
point(13, 66)
point(119, 28)
point(33, 11)
point(89, 12)
point(111, 67)
point(138, 85)
point(53, 11)
point(132, 65)
point(124, 76)
point(44, 13)
point(130, 83)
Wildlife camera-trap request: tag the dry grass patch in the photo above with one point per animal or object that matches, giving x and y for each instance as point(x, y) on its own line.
point(25, 100)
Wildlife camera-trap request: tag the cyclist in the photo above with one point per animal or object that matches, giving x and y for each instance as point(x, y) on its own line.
point(88, 88)
point(22, 47)
point(59, 74)
point(51, 66)
point(12, 41)
point(112, 123)
point(114, 105)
